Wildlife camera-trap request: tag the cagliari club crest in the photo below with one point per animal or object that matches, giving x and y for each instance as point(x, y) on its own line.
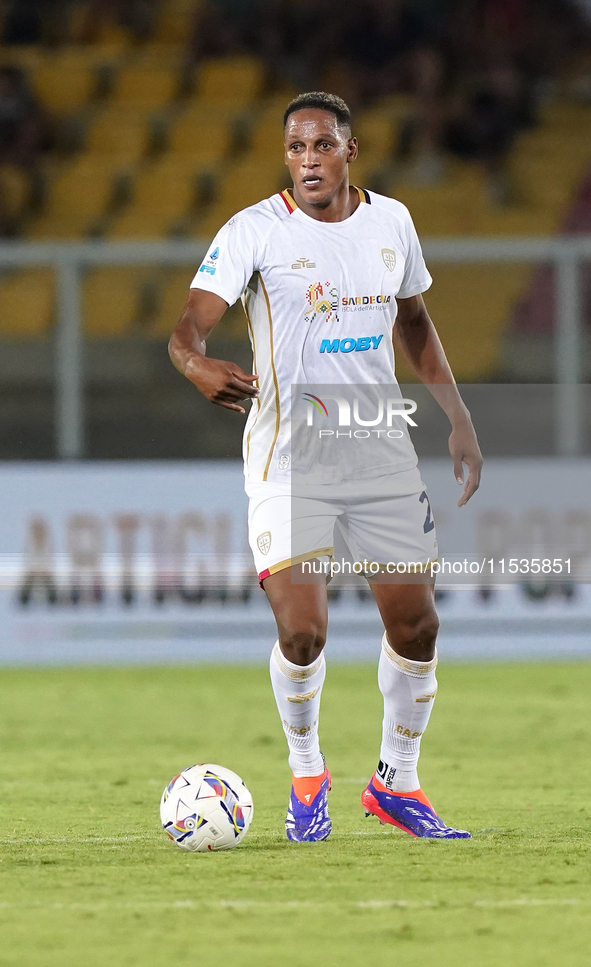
point(264, 542)
point(389, 259)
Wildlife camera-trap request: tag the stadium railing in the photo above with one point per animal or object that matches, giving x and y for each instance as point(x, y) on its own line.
point(69, 260)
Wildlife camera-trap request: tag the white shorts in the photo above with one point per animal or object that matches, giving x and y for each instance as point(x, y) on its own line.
point(386, 520)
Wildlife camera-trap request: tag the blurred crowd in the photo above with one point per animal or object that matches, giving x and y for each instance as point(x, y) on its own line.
point(473, 70)
point(25, 134)
point(55, 22)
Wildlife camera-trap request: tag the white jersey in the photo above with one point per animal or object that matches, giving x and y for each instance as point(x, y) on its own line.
point(320, 302)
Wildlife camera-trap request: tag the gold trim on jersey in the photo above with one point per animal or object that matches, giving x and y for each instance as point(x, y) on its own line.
point(254, 360)
point(289, 200)
point(277, 405)
point(291, 203)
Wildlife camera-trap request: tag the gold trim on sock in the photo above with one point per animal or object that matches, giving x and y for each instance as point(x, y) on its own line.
point(417, 669)
point(295, 673)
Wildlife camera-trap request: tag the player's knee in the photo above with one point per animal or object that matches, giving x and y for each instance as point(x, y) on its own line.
point(415, 638)
point(302, 646)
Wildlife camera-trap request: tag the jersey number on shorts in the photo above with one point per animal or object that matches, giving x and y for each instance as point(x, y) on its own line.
point(429, 523)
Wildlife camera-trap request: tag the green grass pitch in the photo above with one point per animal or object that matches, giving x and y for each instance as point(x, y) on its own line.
point(88, 878)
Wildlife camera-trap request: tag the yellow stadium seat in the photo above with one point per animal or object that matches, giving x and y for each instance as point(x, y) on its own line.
point(64, 80)
point(14, 190)
point(149, 82)
point(174, 289)
point(269, 117)
point(120, 132)
point(78, 196)
point(162, 194)
point(267, 144)
point(450, 207)
point(175, 20)
point(237, 80)
point(245, 184)
point(27, 303)
point(547, 163)
point(26, 57)
point(112, 38)
point(201, 133)
point(111, 300)
point(266, 138)
point(470, 306)
point(361, 173)
point(376, 131)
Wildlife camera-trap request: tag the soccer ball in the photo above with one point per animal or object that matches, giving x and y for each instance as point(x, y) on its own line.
point(206, 807)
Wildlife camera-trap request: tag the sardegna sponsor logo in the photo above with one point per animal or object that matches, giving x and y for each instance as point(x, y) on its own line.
point(367, 301)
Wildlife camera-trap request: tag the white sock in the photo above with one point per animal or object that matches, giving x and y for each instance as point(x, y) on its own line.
point(297, 691)
point(409, 689)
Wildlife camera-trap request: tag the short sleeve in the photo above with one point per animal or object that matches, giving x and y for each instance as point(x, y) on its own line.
point(416, 278)
point(230, 261)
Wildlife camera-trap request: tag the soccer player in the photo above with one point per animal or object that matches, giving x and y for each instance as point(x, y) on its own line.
point(278, 255)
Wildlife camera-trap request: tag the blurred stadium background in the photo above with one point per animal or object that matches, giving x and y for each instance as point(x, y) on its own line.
point(130, 130)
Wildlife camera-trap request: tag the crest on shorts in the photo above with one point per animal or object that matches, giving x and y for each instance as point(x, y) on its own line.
point(264, 542)
point(389, 259)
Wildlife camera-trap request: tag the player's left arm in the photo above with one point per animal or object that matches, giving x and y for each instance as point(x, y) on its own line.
point(416, 336)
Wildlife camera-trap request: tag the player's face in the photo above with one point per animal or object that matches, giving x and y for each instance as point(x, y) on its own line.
point(317, 153)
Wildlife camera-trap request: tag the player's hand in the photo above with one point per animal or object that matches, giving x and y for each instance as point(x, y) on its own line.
point(464, 449)
point(221, 381)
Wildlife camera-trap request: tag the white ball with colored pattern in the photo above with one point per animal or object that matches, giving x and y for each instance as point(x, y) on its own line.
point(206, 808)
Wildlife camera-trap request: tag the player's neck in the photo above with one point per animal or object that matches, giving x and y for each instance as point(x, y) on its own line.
point(341, 206)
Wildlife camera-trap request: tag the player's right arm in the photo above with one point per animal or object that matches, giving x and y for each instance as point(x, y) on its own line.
point(220, 381)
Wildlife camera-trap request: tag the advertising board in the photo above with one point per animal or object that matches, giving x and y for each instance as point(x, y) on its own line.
point(150, 562)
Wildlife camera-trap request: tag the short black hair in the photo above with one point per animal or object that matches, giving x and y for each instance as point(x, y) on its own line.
point(324, 102)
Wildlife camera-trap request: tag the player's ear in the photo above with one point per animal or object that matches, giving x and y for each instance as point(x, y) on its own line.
point(353, 149)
